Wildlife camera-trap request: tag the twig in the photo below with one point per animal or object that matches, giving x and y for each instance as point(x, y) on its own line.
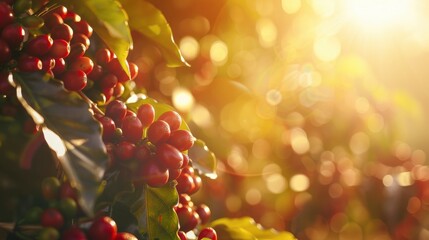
point(91, 103)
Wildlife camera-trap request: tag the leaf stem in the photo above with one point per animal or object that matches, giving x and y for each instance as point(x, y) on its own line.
point(46, 8)
point(94, 106)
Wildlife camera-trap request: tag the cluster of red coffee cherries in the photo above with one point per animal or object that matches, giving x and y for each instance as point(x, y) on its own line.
point(154, 150)
point(191, 215)
point(61, 51)
point(59, 213)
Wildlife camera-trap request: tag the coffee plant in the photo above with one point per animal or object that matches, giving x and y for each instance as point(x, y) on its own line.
point(85, 153)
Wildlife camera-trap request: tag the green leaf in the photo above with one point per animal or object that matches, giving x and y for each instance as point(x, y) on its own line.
point(109, 21)
point(246, 229)
point(69, 129)
point(159, 220)
point(153, 210)
point(203, 159)
point(149, 21)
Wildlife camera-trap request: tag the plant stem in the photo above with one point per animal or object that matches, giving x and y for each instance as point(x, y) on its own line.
point(91, 103)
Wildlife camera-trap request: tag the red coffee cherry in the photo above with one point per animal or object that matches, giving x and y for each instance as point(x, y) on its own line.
point(60, 66)
point(125, 236)
point(62, 31)
point(204, 213)
point(76, 50)
point(134, 70)
point(51, 217)
point(125, 150)
point(50, 188)
point(13, 34)
point(132, 129)
point(172, 118)
point(146, 114)
point(181, 235)
point(52, 19)
point(60, 49)
point(82, 63)
point(96, 73)
point(80, 38)
point(103, 228)
point(169, 156)
point(39, 45)
point(209, 233)
point(73, 233)
point(108, 81)
point(61, 11)
point(142, 153)
point(29, 64)
point(47, 64)
point(158, 132)
point(185, 183)
point(153, 174)
point(116, 110)
point(5, 87)
point(82, 27)
point(108, 128)
point(6, 14)
point(116, 68)
point(181, 139)
point(74, 80)
point(188, 218)
point(103, 56)
point(5, 54)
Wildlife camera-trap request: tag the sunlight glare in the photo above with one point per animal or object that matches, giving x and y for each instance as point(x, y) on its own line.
point(377, 14)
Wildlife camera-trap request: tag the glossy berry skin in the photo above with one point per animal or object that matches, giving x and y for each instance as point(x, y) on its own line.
point(39, 45)
point(82, 63)
point(48, 64)
point(125, 150)
point(6, 14)
point(132, 129)
point(5, 53)
point(103, 56)
point(169, 156)
point(197, 184)
point(158, 132)
point(62, 31)
point(181, 139)
point(142, 153)
point(103, 228)
point(52, 19)
point(108, 81)
point(82, 27)
point(60, 66)
point(108, 128)
point(185, 183)
point(181, 235)
point(29, 64)
point(76, 50)
point(209, 233)
point(74, 80)
point(115, 67)
point(80, 38)
point(153, 174)
point(172, 118)
point(204, 213)
point(73, 233)
point(134, 70)
point(146, 114)
point(116, 110)
point(125, 236)
point(51, 217)
point(13, 34)
point(60, 49)
point(188, 218)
